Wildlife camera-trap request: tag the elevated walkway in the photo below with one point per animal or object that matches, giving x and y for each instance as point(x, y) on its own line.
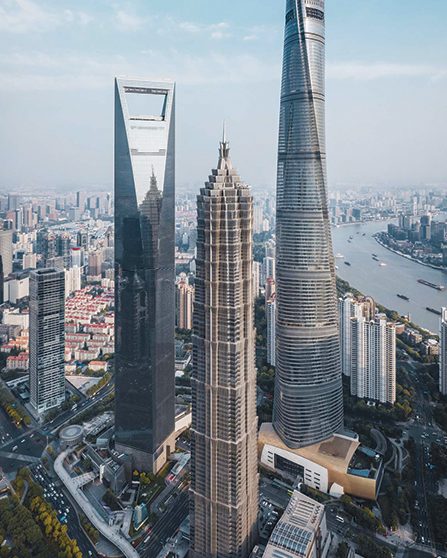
point(106, 530)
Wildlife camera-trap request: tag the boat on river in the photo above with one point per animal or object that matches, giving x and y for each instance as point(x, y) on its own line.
point(432, 285)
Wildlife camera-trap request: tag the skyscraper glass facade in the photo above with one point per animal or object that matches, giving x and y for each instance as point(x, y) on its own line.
point(47, 338)
point(308, 404)
point(144, 268)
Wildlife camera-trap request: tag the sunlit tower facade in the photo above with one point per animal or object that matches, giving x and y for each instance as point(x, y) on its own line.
point(224, 476)
point(308, 403)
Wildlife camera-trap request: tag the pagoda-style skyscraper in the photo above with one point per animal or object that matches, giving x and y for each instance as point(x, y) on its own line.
point(224, 477)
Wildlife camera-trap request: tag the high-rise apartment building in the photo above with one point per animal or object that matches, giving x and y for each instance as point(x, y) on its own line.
point(373, 359)
point(46, 245)
point(270, 288)
point(2, 281)
point(256, 279)
point(13, 202)
point(224, 477)
point(426, 227)
point(185, 301)
point(348, 308)
point(443, 353)
point(95, 260)
point(6, 251)
point(270, 313)
point(80, 200)
point(63, 248)
point(145, 270)
point(72, 280)
point(28, 217)
point(18, 219)
point(308, 403)
point(76, 257)
point(258, 218)
point(47, 338)
point(269, 268)
point(83, 240)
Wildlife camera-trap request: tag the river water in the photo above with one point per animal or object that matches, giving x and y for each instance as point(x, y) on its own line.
point(400, 275)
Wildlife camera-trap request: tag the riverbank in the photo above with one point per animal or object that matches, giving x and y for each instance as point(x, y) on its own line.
point(383, 283)
point(359, 223)
point(344, 287)
point(376, 237)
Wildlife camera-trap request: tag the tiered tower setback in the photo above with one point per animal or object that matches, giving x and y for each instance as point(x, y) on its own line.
point(224, 477)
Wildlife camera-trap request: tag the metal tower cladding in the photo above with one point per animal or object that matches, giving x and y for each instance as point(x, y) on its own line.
point(224, 468)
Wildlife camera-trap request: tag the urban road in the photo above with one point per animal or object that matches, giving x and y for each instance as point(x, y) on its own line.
point(168, 524)
point(27, 447)
point(424, 433)
point(62, 504)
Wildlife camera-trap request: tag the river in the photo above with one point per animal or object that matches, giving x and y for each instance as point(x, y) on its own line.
point(400, 275)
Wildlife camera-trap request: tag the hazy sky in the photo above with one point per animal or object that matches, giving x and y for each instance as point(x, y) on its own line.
point(386, 87)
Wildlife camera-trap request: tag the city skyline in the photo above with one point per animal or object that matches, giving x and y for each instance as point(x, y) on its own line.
point(373, 88)
point(208, 372)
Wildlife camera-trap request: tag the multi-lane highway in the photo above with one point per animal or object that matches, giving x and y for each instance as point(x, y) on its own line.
point(66, 512)
point(165, 527)
point(25, 447)
point(424, 432)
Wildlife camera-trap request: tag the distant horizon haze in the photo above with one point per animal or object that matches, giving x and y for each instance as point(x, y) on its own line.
point(386, 89)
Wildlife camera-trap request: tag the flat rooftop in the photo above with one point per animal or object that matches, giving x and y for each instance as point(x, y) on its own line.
point(334, 453)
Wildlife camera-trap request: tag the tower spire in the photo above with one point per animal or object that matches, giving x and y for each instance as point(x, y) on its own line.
point(224, 151)
point(153, 182)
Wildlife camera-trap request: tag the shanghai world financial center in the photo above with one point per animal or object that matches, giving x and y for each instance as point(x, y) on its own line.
point(144, 270)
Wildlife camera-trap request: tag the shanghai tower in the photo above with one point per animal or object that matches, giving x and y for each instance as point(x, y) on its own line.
point(308, 404)
point(224, 467)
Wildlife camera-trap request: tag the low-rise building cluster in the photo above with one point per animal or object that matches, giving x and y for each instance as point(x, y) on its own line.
point(89, 325)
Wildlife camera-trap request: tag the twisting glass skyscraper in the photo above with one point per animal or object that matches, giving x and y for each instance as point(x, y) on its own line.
point(224, 477)
point(144, 270)
point(308, 405)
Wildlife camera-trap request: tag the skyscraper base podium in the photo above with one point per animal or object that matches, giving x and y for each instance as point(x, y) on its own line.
point(339, 465)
